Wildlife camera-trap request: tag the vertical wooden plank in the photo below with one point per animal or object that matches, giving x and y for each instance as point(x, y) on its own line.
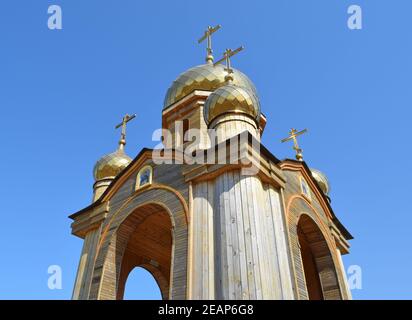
point(228, 244)
point(81, 268)
point(190, 257)
point(204, 236)
point(273, 278)
point(245, 183)
point(197, 244)
point(234, 227)
point(241, 235)
point(280, 234)
point(250, 262)
point(90, 264)
point(210, 240)
point(254, 185)
point(221, 249)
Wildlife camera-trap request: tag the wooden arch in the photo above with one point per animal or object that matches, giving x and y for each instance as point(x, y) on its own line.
point(113, 262)
point(303, 218)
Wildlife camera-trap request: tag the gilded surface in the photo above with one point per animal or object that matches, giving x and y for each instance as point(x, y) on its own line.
point(293, 134)
point(204, 77)
point(231, 99)
point(321, 180)
point(111, 165)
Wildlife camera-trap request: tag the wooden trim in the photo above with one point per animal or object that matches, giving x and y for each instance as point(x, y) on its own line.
point(324, 230)
point(201, 94)
point(91, 220)
point(322, 225)
point(290, 253)
point(331, 247)
point(147, 155)
point(139, 192)
point(314, 187)
point(172, 256)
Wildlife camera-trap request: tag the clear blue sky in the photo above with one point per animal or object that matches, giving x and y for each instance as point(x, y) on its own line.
point(62, 92)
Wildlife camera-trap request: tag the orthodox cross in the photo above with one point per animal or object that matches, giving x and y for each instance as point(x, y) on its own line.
point(226, 57)
point(123, 125)
point(208, 36)
point(292, 136)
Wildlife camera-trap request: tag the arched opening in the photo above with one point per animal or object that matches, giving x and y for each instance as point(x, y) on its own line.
point(141, 285)
point(146, 235)
point(317, 262)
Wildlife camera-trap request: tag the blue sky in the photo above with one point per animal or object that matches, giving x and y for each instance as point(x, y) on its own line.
point(62, 92)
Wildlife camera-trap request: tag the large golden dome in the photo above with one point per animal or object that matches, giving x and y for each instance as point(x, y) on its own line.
point(321, 179)
point(204, 77)
point(110, 165)
point(231, 99)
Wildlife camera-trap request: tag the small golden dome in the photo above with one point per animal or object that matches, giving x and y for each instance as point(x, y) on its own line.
point(231, 99)
point(321, 179)
point(204, 77)
point(110, 165)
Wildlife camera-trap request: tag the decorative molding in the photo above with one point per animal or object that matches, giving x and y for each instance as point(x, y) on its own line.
point(294, 166)
point(90, 220)
point(136, 194)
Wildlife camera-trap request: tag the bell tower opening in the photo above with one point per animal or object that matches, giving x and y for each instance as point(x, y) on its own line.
point(141, 285)
point(317, 262)
point(146, 236)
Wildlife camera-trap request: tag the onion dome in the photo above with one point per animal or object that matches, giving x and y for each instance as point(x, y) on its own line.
point(231, 99)
point(110, 165)
point(321, 180)
point(206, 77)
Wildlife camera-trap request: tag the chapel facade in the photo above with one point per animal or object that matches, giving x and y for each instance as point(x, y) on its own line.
point(213, 229)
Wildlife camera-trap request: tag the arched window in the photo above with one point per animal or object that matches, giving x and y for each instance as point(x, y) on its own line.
point(141, 285)
point(144, 177)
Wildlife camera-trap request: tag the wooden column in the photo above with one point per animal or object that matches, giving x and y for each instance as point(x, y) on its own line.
point(250, 242)
point(345, 285)
point(202, 254)
point(230, 125)
point(86, 265)
point(279, 237)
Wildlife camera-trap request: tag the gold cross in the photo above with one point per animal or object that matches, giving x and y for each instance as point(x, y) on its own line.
point(292, 136)
point(226, 57)
point(208, 35)
point(123, 124)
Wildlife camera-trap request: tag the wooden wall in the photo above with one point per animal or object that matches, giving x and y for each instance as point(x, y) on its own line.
point(169, 191)
point(233, 238)
point(251, 259)
point(230, 125)
point(296, 205)
point(202, 255)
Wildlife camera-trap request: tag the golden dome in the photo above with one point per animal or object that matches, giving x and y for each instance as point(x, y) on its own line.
point(204, 77)
point(110, 165)
point(231, 99)
point(321, 179)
